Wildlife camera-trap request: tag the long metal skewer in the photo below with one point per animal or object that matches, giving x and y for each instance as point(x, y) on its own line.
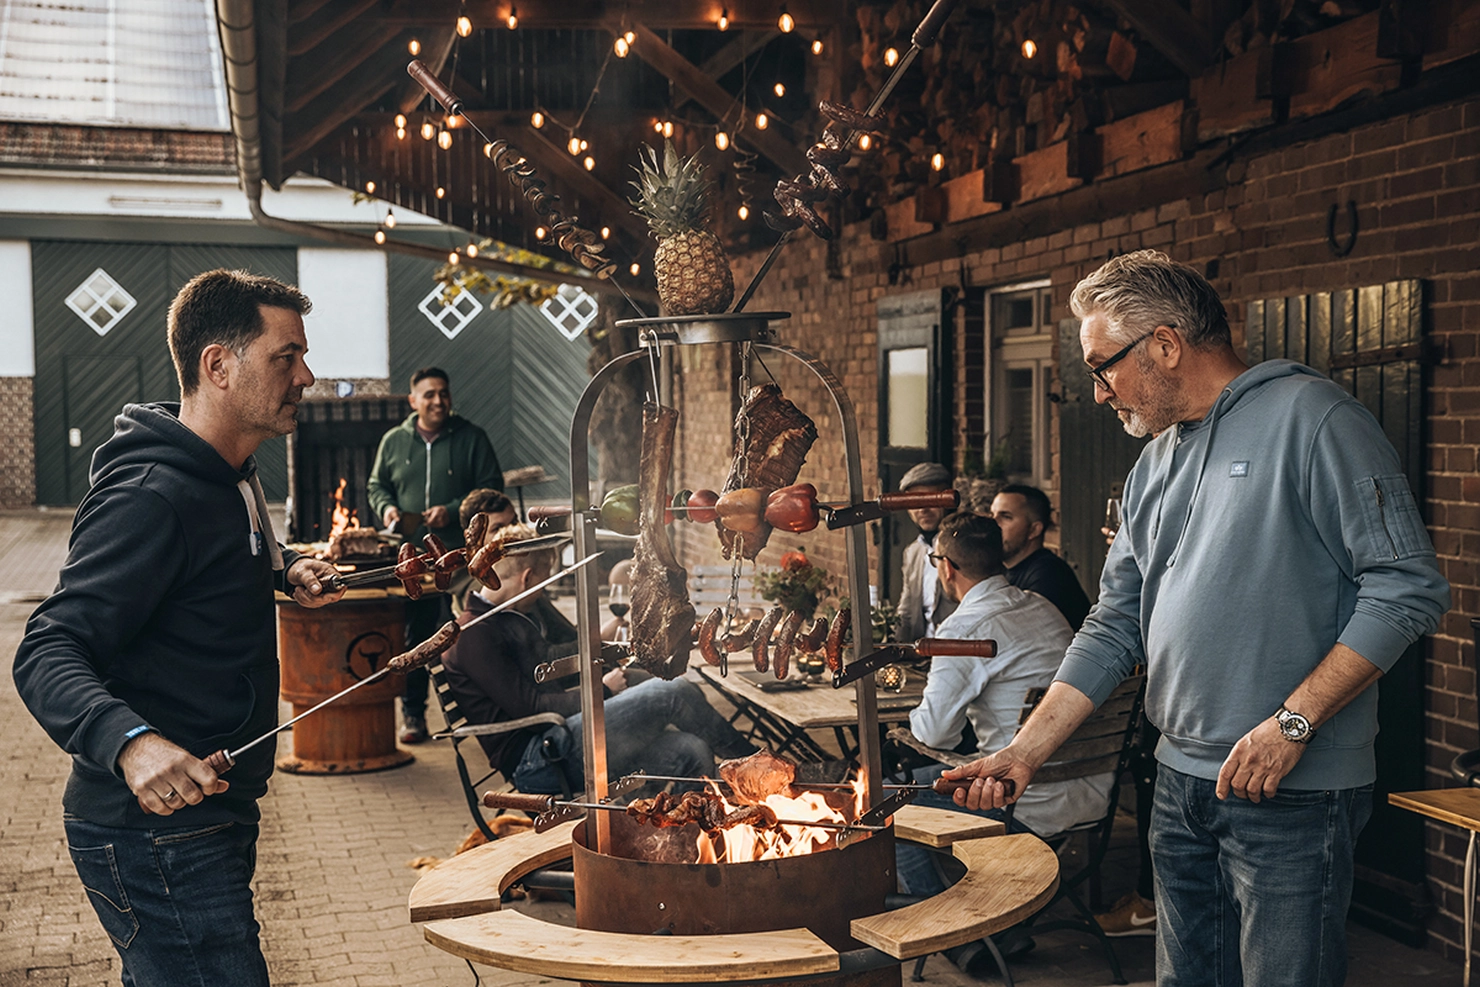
point(821, 785)
point(540, 803)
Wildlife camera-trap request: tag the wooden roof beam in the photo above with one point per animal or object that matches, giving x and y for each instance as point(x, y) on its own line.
point(366, 83)
point(736, 51)
point(592, 14)
point(709, 94)
point(323, 25)
point(310, 77)
point(1171, 30)
point(615, 210)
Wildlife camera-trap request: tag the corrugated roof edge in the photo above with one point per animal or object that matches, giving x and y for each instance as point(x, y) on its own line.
point(40, 145)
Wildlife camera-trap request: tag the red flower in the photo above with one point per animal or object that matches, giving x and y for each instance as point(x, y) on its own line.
point(794, 561)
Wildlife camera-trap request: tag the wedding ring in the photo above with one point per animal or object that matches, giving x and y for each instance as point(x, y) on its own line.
point(170, 794)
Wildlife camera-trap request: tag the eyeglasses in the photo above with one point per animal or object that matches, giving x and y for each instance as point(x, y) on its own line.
point(1098, 373)
point(936, 559)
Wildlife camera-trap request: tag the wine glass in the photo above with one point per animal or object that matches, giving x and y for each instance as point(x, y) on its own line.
point(1112, 515)
point(619, 603)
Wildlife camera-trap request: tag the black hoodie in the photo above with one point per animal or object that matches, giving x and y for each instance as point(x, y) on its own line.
point(162, 616)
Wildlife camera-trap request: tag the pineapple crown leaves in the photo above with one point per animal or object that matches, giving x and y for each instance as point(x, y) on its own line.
point(672, 195)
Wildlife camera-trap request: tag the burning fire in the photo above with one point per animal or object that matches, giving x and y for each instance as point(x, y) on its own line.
point(343, 518)
point(744, 843)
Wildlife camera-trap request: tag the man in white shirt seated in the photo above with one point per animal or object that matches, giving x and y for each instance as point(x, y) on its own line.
point(988, 693)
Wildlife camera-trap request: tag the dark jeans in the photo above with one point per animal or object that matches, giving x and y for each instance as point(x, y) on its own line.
point(423, 617)
point(1252, 893)
point(177, 903)
point(637, 738)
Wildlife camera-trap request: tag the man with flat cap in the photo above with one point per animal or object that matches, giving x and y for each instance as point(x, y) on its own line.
point(922, 603)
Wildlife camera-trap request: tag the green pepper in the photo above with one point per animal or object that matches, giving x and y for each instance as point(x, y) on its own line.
point(620, 510)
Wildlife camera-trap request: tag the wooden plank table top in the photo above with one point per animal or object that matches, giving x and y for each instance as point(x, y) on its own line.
point(1007, 879)
point(818, 705)
point(942, 827)
point(1460, 806)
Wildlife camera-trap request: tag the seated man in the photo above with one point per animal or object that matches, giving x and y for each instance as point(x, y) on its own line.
point(557, 631)
point(1023, 513)
point(491, 674)
point(988, 693)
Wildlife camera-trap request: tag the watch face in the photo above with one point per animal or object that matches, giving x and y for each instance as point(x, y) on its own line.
point(1294, 726)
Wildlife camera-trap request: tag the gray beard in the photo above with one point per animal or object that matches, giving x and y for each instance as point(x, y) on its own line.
point(1158, 410)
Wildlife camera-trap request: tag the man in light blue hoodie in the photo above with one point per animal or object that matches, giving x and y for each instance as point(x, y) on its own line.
point(1270, 567)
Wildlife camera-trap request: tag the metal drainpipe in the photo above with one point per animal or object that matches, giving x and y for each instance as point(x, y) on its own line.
point(237, 27)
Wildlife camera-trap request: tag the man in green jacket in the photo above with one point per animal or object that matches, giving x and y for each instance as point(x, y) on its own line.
point(429, 463)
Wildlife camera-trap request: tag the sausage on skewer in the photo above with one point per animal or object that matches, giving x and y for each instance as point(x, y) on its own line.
point(785, 644)
point(423, 654)
point(707, 646)
point(834, 649)
point(760, 647)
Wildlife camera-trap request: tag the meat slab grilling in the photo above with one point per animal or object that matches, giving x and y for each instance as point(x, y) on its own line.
point(662, 616)
point(705, 809)
point(752, 779)
point(780, 437)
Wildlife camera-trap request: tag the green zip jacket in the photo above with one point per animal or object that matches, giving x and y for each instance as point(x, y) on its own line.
point(412, 475)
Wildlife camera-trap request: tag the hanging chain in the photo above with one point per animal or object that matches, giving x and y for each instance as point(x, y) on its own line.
point(742, 472)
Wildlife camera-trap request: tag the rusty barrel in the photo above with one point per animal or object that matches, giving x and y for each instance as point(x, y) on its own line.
point(325, 651)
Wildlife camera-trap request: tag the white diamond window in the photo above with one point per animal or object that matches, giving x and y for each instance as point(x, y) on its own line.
point(100, 302)
point(450, 317)
point(570, 311)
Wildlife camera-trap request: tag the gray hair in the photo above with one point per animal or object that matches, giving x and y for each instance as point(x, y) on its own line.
point(1142, 290)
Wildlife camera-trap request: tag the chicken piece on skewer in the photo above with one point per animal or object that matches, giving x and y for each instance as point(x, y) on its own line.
point(762, 774)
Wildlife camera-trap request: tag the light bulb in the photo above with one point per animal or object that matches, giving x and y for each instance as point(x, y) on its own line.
point(513, 19)
point(472, 250)
point(488, 151)
point(441, 192)
point(453, 257)
point(865, 142)
point(667, 128)
point(540, 232)
point(636, 269)
point(444, 139)
point(1030, 48)
point(721, 140)
point(536, 119)
point(414, 46)
point(464, 27)
point(454, 121)
point(380, 236)
point(785, 22)
point(657, 126)
point(891, 57)
point(583, 145)
point(621, 46)
point(400, 133)
point(370, 187)
point(762, 121)
point(401, 120)
point(937, 161)
point(390, 220)
point(744, 212)
point(724, 20)
point(590, 163)
point(630, 37)
point(817, 47)
point(573, 145)
point(606, 232)
point(428, 131)
point(779, 89)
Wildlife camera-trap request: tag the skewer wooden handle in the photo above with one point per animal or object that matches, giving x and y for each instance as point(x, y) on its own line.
point(945, 786)
point(948, 499)
point(434, 86)
point(924, 35)
point(518, 800)
point(220, 762)
point(539, 513)
point(929, 647)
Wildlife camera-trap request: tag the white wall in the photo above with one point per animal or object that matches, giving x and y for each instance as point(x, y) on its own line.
point(17, 333)
point(349, 327)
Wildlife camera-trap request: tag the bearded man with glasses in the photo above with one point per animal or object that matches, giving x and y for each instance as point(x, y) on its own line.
point(1271, 565)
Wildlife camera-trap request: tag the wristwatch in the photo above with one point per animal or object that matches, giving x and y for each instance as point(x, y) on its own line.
point(1294, 727)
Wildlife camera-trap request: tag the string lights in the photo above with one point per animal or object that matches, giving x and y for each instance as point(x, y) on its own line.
point(779, 89)
point(414, 46)
point(786, 23)
point(937, 161)
point(540, 233)
point(380, 236)
point(513, 19)
point(444, 140)
point(724, 19)
point(428, 130)
point(865, 141)
point(606, 232)
point(1030, 48)
point(636, 269)
point(390, 220)
point(743, 212)
point(621, 47)
point(891, 57)
point(721, 140)
point(441, 192)
point(472, 249)
point(370, 187)
point(817, 46)
point(590, 163)
point(762, 121)
point(464, 26)
point(536, 119)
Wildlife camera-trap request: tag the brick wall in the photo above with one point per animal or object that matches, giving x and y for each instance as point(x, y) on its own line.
point(1416, 183)
point(18, 454)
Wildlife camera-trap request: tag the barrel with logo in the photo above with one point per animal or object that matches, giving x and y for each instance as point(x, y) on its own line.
point(325, 651)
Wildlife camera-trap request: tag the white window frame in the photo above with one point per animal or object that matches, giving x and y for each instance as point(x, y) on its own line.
point(1021, 348)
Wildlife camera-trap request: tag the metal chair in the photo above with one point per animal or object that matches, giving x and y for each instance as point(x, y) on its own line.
point(1103, 743)
point(460, 730)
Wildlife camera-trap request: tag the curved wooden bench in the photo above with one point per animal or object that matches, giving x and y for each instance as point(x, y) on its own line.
point(1007, 879)
point(941, 827)
point(472, 883)
point(514, 941)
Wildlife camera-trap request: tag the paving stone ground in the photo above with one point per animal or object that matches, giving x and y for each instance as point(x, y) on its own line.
point(332, 876)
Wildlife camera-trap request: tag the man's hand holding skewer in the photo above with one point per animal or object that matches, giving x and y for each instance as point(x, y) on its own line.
point(310, 579)
point(165, 777)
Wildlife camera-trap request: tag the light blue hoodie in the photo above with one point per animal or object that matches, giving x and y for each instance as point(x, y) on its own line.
point(1251, 542)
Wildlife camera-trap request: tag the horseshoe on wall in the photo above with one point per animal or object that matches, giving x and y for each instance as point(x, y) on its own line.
point(1338, 248)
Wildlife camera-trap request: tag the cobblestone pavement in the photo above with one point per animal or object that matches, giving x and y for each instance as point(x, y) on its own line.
point(333, 874)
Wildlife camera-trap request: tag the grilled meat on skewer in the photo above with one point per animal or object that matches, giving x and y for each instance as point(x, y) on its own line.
point(780, 437)
point(662, 616)
point(705, 809)
point(762, 774)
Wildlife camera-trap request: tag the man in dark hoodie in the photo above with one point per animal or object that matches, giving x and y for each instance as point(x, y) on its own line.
point(1271, 565)
point(159, 647)
point(429, 463)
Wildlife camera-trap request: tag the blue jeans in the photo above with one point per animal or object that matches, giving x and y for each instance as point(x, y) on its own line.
point(1252, 893)
point(637, 738)
point(177, 903)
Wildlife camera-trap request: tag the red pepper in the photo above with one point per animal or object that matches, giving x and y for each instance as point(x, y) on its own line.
point(793, 508)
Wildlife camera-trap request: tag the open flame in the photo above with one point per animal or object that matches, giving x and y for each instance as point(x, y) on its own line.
point(343, 518)
point(745, 843)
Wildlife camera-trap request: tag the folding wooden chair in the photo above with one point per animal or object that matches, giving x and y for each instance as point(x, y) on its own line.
point(460, 730)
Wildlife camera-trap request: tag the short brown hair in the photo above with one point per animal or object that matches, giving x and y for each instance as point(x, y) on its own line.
point(484, 500)
point(973, 543)
point(223, 308)
point(422, 373)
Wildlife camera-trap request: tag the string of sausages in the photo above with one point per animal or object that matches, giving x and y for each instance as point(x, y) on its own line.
point(789, 639)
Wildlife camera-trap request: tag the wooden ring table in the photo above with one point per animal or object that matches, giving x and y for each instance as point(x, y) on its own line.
point(1007, 879)
point(1460, 806)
